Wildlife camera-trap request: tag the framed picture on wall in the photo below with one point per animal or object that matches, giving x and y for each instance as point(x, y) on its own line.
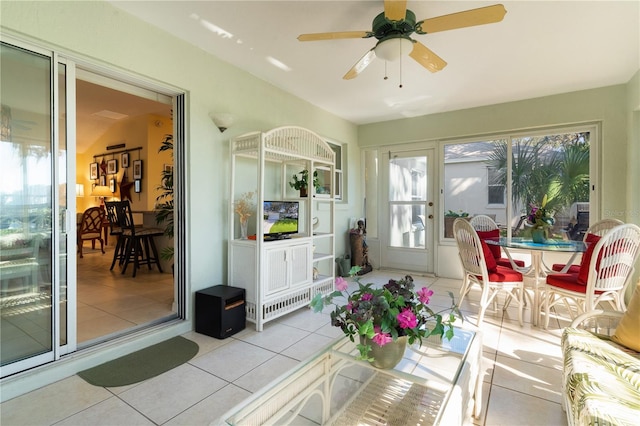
point(103, 180)
point(137, 169)
point(124, 160)
point(112, 167)
point(112, 185)
point(93, 171)
point(137, 185)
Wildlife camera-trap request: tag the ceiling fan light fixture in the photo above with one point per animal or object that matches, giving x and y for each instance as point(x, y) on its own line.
point(393, 48)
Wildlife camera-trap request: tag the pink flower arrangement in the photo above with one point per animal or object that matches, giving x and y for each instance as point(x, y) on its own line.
point(383, 314)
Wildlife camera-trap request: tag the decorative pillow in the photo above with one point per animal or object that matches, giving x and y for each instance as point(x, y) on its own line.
point(628, 331)
point(494, 234)
point(492, 266)
point(583, 275)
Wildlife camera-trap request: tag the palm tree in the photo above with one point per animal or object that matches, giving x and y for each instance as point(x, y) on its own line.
point(556, 166)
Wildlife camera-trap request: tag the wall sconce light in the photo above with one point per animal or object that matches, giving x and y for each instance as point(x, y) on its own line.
point(79, 190)
point(222, 120)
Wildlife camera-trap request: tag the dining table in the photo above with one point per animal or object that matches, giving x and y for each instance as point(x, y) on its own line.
point(537, 270)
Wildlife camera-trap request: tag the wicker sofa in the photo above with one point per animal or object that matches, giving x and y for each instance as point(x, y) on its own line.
point(601, 378)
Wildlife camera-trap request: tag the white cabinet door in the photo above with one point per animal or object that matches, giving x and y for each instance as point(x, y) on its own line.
point(287, 267)
point(300, 265)
point(276, 270)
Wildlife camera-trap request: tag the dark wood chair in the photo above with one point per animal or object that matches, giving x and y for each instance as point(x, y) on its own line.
point(115, 231)
point(90, 228)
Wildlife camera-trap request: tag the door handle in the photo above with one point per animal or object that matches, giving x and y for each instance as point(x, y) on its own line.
point(430, 203)
point(430, 216)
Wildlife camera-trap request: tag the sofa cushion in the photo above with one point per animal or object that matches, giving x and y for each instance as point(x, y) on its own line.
point(628, 330)
point(601, 382)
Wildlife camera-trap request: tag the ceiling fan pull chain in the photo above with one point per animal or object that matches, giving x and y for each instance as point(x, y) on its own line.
point(400, 72)
point(385, 71)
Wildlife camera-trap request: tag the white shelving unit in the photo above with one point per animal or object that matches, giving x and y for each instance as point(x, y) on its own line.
point(284, 275)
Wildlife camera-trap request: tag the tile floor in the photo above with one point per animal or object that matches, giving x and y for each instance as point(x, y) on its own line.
point(521, 381)
point(110, 302)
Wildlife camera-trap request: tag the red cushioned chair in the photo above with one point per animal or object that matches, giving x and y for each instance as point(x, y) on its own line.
point(487, 229)
point(604, 275)
point(599, 229)
point(479, 268)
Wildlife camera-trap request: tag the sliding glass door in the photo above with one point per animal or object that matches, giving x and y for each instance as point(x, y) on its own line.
point(34, 171)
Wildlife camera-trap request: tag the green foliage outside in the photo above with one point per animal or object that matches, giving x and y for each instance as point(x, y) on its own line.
point(555, 165)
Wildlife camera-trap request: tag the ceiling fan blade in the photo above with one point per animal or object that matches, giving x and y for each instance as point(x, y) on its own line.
point(360, 65)
point(334, 36)
point(468, 18)
point(395, 10)
point(425, 57)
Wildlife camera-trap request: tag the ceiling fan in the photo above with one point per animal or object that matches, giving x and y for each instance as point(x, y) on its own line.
point(393, 28)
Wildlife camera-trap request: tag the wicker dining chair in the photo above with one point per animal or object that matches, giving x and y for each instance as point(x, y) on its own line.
point(487, 228)
point(479, 268)
point(604, 275)
point(599, 228)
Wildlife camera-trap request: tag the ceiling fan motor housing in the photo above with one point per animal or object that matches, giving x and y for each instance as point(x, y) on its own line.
point(384, 28)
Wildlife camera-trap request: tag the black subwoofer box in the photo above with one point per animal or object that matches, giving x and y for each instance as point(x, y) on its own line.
point(220, 311)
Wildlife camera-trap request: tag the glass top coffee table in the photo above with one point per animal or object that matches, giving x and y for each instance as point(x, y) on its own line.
point(437, 383)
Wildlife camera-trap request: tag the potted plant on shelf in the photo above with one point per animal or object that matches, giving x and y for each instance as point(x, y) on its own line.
point(449, 217)
point(386, 318)
point(302, 183)
point(164, 201)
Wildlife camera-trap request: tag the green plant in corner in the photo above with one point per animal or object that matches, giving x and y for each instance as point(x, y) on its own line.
point(303, 181)
point(164, 201)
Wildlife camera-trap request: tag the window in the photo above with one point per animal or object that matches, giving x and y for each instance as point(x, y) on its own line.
point(337, 148)
point(516, 172)
point(495, 188)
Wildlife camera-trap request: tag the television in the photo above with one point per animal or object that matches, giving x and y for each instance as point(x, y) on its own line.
point(280, 219)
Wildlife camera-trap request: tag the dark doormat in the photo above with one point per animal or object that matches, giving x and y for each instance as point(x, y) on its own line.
point(143, 364)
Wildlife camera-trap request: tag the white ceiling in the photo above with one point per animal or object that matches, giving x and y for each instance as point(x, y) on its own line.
point(540, 48)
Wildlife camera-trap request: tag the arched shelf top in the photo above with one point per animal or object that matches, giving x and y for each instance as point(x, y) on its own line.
point(284, 144)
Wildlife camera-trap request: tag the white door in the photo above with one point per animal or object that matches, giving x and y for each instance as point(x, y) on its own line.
point(407, 236)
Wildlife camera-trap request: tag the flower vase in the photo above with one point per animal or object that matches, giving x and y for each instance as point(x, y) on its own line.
point(303, 192)
point(243, 229)
point(388, 356)
point(539, 235)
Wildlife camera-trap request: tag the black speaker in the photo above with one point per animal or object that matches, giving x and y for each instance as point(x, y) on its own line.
point(220, 311)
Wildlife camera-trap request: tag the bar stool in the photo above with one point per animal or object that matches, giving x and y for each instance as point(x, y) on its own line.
point(115, 231)
point(139, 244)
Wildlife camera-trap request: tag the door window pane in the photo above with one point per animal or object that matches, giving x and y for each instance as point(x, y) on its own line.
point(25, 205)
point(407, 197)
